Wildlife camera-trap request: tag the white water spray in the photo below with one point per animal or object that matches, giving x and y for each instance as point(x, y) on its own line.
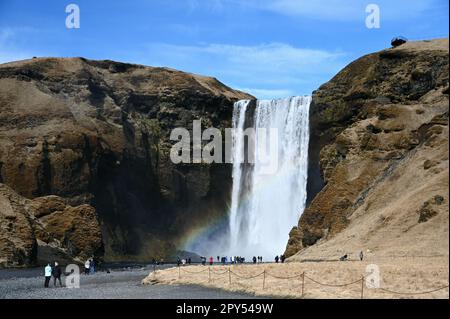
point(264, 207)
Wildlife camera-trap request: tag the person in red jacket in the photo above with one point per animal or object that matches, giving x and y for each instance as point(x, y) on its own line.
point(211, 260)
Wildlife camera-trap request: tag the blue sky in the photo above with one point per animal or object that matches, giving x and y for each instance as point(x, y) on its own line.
point(270, 48)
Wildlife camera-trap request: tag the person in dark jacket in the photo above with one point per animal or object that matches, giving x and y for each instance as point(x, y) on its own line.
point(56, 273)
point(92, 267)
point(277, 259)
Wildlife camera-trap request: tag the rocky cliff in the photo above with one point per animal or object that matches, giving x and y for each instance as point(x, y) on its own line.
point(44, 229)
point(378, 172)
point(97, 133)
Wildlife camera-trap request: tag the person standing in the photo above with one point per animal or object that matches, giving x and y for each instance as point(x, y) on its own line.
point(211, 260)
point(47, 274)
point(56, 273)
point(361, 255)
point(87, 266)
point(277, 259)
point(92, 267)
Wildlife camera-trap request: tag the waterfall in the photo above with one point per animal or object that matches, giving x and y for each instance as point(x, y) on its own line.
point(265, 206)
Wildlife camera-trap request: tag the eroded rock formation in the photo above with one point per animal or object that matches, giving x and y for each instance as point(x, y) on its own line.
point(379, 156)
point(97, 133)
point(46, 229)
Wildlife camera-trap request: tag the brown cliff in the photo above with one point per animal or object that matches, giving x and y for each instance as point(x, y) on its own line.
point(97, 133)
point(379, 157)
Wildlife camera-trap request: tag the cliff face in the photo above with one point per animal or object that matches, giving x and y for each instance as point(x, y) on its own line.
point(44, 229)
point(379, 157)
point(97, 133)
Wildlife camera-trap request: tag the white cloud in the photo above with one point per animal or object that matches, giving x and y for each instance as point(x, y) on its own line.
point(272, 69)
point(348, 10)
point(238, 60)
point(329, 10)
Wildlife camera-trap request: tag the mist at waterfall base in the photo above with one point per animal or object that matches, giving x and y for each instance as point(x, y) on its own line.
point(265, 204)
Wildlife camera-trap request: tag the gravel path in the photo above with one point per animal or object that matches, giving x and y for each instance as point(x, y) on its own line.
point(28, 284)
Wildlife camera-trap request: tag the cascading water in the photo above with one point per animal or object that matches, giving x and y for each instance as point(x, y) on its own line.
point(266, 205)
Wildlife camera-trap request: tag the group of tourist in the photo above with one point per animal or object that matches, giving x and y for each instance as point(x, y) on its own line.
point(90, 266)
point(52, 271)
point(257, 259)
point(281, 259)
point(229, 260)
point(225, 260)
point(185, 261)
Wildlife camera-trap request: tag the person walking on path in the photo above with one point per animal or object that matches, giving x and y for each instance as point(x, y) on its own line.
point(361, 255)
point(47, 274)
point(87, 266)
point(211, 260)
point(56, 273)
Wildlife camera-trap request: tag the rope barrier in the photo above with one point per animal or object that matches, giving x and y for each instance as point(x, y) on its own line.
point(219, 274)
point(333, 285)
point(301, 276)
point(412, 293)
point(290, 277)
point(243, 277)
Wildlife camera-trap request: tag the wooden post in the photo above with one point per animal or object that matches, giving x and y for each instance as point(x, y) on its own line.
point(264, 279)
point(229, 275)
point(303, 284)
point(362, 287)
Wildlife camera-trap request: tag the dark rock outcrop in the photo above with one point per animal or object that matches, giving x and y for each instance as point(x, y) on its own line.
point(97, 133)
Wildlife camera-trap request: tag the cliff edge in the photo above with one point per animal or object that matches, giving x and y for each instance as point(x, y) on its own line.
point(378, 173)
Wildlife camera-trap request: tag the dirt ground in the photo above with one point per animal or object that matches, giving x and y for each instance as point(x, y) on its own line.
point(407, 277)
